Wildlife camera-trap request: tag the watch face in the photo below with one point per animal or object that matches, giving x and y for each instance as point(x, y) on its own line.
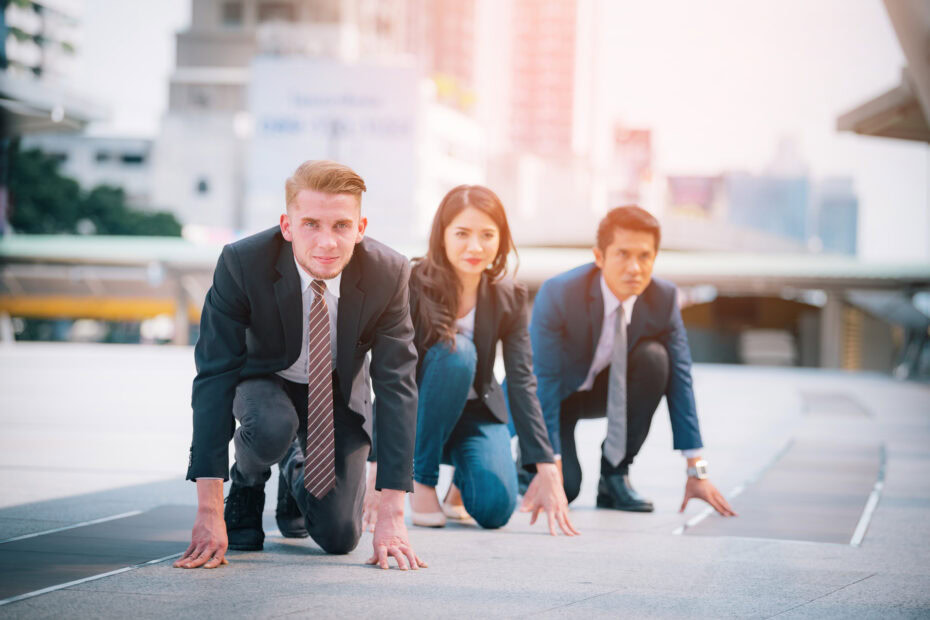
point(699, 470)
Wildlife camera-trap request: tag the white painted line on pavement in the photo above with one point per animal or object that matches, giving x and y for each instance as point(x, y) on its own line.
point(870, 505)
point(69, 584)
point(71, 527)
point(735, 491)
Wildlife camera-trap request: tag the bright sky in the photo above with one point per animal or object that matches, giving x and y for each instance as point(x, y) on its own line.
point(722, 82)
point(719, 82)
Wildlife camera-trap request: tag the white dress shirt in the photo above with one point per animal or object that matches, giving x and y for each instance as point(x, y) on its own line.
point(605, 343)
point(466, 327)
point(299, 372)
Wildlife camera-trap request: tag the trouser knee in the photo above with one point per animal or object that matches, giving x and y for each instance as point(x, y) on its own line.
point(267, 440)
point(339, 537)
point(494, 502)
point(649, 362)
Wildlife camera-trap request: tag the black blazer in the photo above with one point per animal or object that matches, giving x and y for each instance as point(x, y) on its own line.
point(501, 315)
point(251, 326)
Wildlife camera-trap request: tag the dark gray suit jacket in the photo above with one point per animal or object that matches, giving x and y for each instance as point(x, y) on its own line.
point(501, 315)
point(251, 326)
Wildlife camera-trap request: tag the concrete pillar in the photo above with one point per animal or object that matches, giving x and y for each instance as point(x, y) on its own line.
point(181, 323)
point(831, 331)
point(7, 333)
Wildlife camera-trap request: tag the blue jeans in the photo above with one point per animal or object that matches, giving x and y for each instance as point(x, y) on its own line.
point(452, 429)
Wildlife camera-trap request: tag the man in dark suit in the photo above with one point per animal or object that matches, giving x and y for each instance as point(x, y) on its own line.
point(285, 333)
point(608, 340)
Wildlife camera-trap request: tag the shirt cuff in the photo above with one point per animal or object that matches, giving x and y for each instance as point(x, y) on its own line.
point(206, 478)
point(691, 453)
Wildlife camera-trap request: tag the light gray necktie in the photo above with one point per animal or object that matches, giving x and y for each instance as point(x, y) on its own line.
point(615, 443)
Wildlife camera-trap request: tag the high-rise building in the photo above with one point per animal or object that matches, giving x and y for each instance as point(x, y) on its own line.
point(39, 42)
point(543, 68)
point(773, 204)
point(837, 215)
point(201, 153)
point(525, 68)
point(528, 72)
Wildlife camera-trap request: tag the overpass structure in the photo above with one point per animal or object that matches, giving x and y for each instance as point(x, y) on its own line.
point(836, 309)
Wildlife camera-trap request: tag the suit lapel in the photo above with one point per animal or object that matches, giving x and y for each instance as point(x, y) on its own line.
point(290, 303)
point(485, 330)
point(351, 298)
point(595, 312)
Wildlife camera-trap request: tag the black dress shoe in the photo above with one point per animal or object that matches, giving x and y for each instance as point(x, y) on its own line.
point(614, 491)
point(243, 515)
point(287, 514)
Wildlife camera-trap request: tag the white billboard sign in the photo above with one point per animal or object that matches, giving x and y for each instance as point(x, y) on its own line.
point(362, 115)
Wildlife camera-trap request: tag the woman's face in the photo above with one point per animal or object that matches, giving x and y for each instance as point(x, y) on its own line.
point(471, 240)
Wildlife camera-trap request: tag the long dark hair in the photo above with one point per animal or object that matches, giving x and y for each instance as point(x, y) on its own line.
point(432, 277)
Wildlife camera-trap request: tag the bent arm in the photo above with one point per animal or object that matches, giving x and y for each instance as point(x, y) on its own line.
point(219, 355)
point(393, 375)
point(546, 328)
point(521, 387)
point(686, 431)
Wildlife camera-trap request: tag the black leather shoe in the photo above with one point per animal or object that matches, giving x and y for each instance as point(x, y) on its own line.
point(243, 515)
point(287, 514)
point(614, 491)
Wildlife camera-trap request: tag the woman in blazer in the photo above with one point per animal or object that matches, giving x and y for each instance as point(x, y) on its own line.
point(462, 305)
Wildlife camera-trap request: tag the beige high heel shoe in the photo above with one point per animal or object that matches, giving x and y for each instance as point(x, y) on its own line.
point(456, 512)
point(426, 519)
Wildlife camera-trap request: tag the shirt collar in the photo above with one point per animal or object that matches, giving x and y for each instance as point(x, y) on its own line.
point(611, 303)
point(332, 284)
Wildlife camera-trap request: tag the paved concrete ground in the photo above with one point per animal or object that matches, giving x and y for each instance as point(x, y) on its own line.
point(95, 431)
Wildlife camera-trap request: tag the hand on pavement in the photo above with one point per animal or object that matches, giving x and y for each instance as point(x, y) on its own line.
point(208, 542)
point(546, 493)
point(390, 537)
point(703, 489)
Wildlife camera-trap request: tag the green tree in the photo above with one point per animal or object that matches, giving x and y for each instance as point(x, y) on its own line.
point(43, 201)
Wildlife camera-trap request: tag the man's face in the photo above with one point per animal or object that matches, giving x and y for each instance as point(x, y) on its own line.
point(323, 229)
point(627, 262)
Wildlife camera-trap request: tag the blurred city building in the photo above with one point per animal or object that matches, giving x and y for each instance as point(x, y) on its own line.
point(261, 86)
point(39, 41)
point(530, 72)
point(836, 216)
point(101, 160)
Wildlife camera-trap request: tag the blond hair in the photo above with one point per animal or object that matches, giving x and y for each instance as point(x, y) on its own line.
point(324, 176)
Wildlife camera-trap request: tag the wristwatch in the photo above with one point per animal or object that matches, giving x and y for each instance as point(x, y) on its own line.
point(699, 470)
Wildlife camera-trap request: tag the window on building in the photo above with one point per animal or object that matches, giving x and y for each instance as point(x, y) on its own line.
point(276, 11)
point(203, 186)
point(232, 14)
point(132, 159)
point(102, 157)
point(199, 97)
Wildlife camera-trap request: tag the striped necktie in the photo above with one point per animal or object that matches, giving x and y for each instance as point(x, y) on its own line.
point(319, 457)
point(615, 443)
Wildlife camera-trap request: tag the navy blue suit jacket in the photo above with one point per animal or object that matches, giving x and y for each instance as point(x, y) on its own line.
point(567, 317)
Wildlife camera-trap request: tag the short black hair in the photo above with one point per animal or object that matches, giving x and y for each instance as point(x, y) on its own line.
point(629, 217)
